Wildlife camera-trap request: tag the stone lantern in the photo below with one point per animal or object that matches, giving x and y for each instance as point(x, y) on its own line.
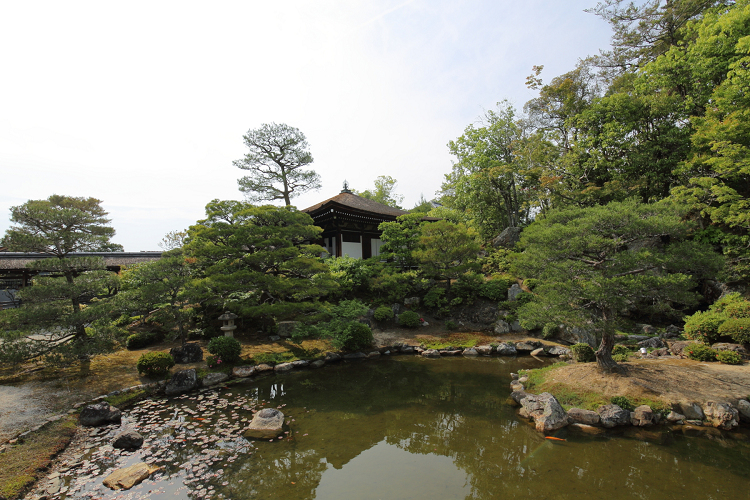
point(229, 326)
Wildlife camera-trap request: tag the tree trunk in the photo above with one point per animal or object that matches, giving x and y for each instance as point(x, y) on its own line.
point(604, 353)
point(80, 329)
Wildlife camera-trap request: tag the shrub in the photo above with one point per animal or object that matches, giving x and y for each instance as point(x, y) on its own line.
point(524, 298)
point(620, 358)
point(383, 313)
point(550, 330)
point(621, 349)
point(227, 349)
point(357, 336)
point(623, 402)
point(155, 364)
point(531, 283)
point(467, 286)
point(583, 353)
point(451, 325)
point(141, 340)
point(435, 298)
point(409, 319)
point(213, 361)
point(704, 326)
point(737, 328)
point(729, 357)
point(699, 352)
point(494, 289)
point(738, 309)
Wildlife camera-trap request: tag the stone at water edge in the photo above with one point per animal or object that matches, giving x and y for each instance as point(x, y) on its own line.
point(721, 415)
point(642, 416)
point(213, 379)
point(538, 352)
point(263, 367)
point(267, 423)
point(675, 418)
point(484, 350)
point(527, 346)
point(332, 357)
point(283, 367)
point(243, 371)
point(506, 349)
point(613, 415)
point(181, 382)
point(470, 352)
point(554, 416)
point(99, 414)
point(126, 478)
point(586, 417)
point(744, 408)
point(318, 363)
point(557, 350)
point(692, 411)
point(128, 440)
point(431, 353)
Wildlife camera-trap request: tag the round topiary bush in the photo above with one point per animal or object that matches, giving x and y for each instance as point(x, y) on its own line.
point(704, 326)
point(155, 364)
point(383, 313)
point(141, 340)
point(358, 336)
point(409, 319)
point(699, 352)
point(729, 357)
point(583, 353)
point(737, 328)
point(227, 349)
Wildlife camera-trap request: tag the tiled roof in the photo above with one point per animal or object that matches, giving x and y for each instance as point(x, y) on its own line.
point(359, 203)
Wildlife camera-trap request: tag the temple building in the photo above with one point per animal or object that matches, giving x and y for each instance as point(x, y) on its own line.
point(350, 224)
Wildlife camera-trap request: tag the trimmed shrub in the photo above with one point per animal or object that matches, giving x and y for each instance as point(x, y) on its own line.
point(141, 340)
point(583, 353)
point(227, 349)
point(155, 364)
point(383, 313)
point(550, 330)
point(736, 328)
point(494, 289)
point(729, 357)
point(699, 352)
point(621, 349)
point(738, 309)
point(620, 358)
point(623, 402)
point(409, 319)
point(357, 336)
point(704, 326)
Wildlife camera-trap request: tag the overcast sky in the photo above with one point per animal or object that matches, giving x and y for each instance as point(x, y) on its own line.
point(143, 105)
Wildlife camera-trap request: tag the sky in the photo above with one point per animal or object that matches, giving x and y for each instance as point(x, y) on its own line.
point(143, 104)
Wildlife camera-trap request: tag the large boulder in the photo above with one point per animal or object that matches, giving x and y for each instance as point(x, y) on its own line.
point(430, 353)
point(692, 411)
point(545, 410)
point(676, 348)
point(263, 368)
point(508, 238)
point(181, 382)
point(506, 349)
point(285, 329)
point(243, 371)
point(642, 416)
point(557, 350)
point(470, 352)
point(528, 346)
point(267, 423)
point(721, 415)
point(586, 417)
point(743, 406)
point(484, 350)
point(128, 439)
point(332, 357)
point(213, 379)
point(99, 414)
point(654, 342)
point(514, 291)
point(188, 353)
point(613, 415)
point(500, 327)
point(577, 335)
point(127, 477)
point(283, 367)
point(724, 346)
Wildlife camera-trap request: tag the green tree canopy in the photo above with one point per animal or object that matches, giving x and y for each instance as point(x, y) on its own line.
point(383, 192)
point(276, 158)
point(596, 262)
point(446, 250)
point(400, 239)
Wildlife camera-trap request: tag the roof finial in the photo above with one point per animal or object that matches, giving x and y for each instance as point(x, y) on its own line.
point(346, 187)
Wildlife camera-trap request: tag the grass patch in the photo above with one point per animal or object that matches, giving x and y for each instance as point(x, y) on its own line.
point(274, 358)
point(21, 464)
point(463, 340)
point(126, 399)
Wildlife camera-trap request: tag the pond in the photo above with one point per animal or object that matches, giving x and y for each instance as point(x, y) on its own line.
point(403, 427)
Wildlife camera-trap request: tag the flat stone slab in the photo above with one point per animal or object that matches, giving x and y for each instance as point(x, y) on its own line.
point(99, 414)
point(126, 478)
point(214, 378)
point(267, 423)
point(243, 371)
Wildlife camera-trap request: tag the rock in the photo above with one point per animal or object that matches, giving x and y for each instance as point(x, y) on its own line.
point(263, 368)
point(411, 301)
point(654, 342)
point(743, 407)
point(450, 352)
point(355, 356)
point(300, 363)
point(243, 371)
point(523, 379)
point(671, 332)
point(577, 335)
point(518, 396)
point(554, 416)
point(677, 347)
point(470, 352)
point(484, 350)
point(285, 329)
point(642, 416)
point(533, 405)
point(508, 238)
point(213, 379)
point(407, 349)
point(514, 376)
point(538, 352)
point(587, 429)
point(647, 329)
point(516, 327)
point(724, 346)
point(514, 291)
point(332, 357)
point(99, 414)
point(501, 327)
point(181, 382)
point(318, 363)
point(274, 338)
point(587, 417)
point(431, 353)
point(506, 349)
point(267, 423)
point(128, 439)
point(692, 411)
point(188, 353)
point(675, 418)
point(721, 415)
point(126, 478)
point(527, 347)
point(283, 367)
point(613, 415)
point(557, 350)
point(373, 354)
point(660, 352)
point(515, 386)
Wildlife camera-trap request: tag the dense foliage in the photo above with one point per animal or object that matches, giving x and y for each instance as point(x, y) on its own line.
point(155, 364)
point(227, 349)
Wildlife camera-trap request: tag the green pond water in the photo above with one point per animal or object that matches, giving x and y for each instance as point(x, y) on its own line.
point(404, 427)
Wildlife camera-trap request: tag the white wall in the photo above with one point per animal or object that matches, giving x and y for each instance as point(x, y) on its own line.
point(375, 245)
point(353, 250)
